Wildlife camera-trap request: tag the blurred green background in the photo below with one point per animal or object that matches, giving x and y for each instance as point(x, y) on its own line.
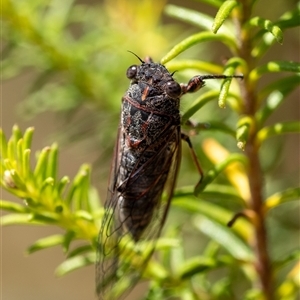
point(79, 108)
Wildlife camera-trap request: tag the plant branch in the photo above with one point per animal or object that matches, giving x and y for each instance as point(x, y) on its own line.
point(255, 177)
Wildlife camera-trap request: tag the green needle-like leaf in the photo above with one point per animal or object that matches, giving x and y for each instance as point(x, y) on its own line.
point(196, 39)
point(290, 257)
point(269, 26)
point(277, 129)
point(94, 204)
point(26, 164)
point(78, 192)
point(189, 16)
point(198, 103)
point(212, 191)
point(27, 138)
point(46, 217)
point(41, 165)
point(75, 263)
point(244, 127)
point(52, 162)
point(224, 92)
point(14, 207)
point(47, 189)
point(230, 70)
point(275, 93)
point(291, 194)
point(47, 242)
point(225, 237)
point(68, 238)
point(82, 214)
point(80, 250)
point(215, 3)
point(213, 212)
point(19, 156)
point(17, 134)
point(11, 150)
point(199, 65)
point(290, 18)
point(266, 39)
point(274, 66)
point(213, 173)
point(19, 219)
point(223, 13)
point(62, 185)
point(196, 265)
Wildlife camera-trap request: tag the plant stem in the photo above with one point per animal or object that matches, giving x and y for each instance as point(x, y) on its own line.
point(255, 178)
point(255, 175)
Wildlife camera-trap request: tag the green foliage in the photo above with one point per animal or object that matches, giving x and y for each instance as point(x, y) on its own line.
point(70, 205)
point(77, 67)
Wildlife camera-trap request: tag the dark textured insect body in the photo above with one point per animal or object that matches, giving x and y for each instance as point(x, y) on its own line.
point(149, 138)
point(146, 161)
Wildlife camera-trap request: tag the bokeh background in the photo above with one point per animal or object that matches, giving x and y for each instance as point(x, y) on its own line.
point(87, 133)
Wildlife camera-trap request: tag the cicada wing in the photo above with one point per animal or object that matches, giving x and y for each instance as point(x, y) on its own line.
point(173, 144)
point(170, 186)
point(106, 262)
point(122, 259)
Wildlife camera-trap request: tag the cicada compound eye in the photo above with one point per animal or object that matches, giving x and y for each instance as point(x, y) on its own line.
point(173, 89)
point(131, 72)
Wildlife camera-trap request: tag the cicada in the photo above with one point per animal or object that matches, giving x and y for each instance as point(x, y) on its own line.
point(145, 164)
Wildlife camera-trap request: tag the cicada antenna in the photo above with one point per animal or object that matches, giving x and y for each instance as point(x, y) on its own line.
point(136, 56)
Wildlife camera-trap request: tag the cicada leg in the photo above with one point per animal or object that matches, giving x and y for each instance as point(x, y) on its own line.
point(186, 138)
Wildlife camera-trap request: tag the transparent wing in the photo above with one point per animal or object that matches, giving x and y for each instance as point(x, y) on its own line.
point(121, 259)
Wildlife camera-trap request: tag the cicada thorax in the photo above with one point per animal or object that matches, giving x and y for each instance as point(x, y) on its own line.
point(149, 136)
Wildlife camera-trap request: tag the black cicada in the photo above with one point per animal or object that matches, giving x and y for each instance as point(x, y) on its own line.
point(146, 162)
